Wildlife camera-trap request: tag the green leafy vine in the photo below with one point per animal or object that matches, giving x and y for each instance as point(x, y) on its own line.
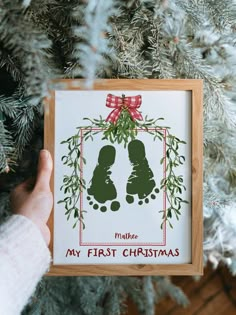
point(123, 132)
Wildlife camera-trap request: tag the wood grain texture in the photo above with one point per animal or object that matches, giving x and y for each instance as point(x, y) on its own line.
point(49, 144)
point(196, 88)
point(213, 294)
point(197, 175)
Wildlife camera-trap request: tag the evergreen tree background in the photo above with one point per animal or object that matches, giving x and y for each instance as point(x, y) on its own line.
point(45, 39)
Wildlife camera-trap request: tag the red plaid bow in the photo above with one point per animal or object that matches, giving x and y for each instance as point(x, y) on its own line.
point(130, 103)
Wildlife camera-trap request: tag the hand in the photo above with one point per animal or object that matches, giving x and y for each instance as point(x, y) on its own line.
point(35, 201)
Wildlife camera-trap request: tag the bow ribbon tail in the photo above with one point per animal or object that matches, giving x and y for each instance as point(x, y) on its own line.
point(135, 114)
point(114, 115)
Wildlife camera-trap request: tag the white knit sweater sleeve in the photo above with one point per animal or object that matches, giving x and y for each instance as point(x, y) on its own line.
point(24, 258)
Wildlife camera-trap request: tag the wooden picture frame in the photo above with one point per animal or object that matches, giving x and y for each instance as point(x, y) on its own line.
point(195, 88)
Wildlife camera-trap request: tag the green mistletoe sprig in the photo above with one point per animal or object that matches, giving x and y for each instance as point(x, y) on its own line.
point(73, 184)
point(123, 132)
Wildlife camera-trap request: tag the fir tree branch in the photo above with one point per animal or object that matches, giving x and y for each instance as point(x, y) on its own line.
point(26, 44)
point(10, 63)
point(9, 106)
point(23, 125)
point(7, 156)
point(94, 36)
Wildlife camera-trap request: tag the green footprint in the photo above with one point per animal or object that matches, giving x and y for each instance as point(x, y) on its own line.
point(102, 188)
point(141, 181)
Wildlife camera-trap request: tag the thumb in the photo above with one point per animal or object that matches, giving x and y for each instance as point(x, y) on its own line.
point(44, 170)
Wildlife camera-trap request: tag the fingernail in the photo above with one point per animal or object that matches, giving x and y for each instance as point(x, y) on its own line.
point(44, 154)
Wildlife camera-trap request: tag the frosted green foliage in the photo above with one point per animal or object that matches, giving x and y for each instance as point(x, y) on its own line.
point(22, 115)
point(232, 267)
point(219, 223)
point(122, 39)
point(24, 126)
point(9, 106)
point(93, 33)
point(47, 14)
point(149, 295)
point(23, 55)
point(54, 298)
point(164, 287)
point(26, 44)
point(84, 295)
point(128, 37)
point(132, 288)
point(105, 292)
point(101, 295)
point(6, 148)
point(26, 3)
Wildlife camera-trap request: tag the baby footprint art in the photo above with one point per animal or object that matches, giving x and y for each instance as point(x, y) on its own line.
point(102, 189)
point(141, 182)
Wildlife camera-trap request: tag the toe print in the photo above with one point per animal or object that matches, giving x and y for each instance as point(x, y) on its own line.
point(102, 189)
point(141, 182)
